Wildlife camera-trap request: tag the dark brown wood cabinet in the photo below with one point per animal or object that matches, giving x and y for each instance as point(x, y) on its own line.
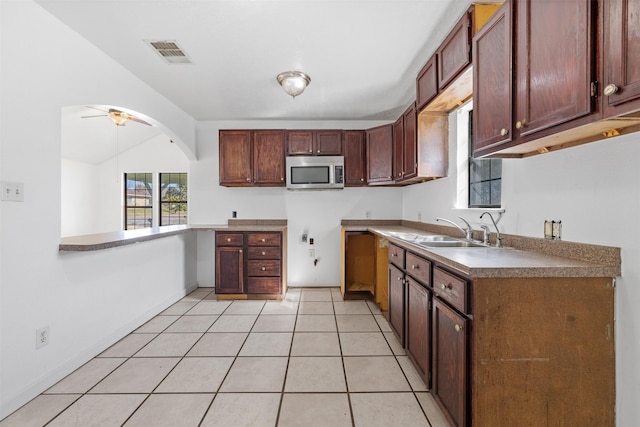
point(396, 301)
point(229, 263)
point(454, 54)
point(418, 333)
point(427, 83)
point(398, 149)
point(551, 48)
point(379, 150)
point(554, 62)
point(268, 158)
point(235, 156)
point(450, 373)
point(354, 158)
point(410, 143)
point(259, 272)
point(492, 81)
point(314, 143)
point(252, 158)
point(621, 57)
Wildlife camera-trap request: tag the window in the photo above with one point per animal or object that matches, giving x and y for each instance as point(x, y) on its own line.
point(173, 198)
point(485, 178)
point(138, 211)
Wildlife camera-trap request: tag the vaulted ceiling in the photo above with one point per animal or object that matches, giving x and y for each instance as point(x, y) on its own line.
point(362, 55)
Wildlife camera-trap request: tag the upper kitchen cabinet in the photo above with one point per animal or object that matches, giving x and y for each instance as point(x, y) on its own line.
point(398, 149)
point(554, 62)
point(621, 82)
point(251, 158)
point(454, 54)
point(405, 149)
point(355, 171)
point(492, 81)
point(314, 143)
point(268, 158)
point(552, 88)
point(427, 83)
point(235, 158)
point(379, 151)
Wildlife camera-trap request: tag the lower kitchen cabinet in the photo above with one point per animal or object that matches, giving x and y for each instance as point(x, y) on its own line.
point(418, 334)
point(396, 301)
point(450, 348)
point(260, 272)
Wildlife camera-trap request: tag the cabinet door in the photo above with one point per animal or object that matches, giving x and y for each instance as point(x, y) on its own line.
point(427, 83)
point(235, 157)
point(299, 143)
point(410, 150)
point(554, 62)
point(380, 154)
point(449, 371)
point(398, 148)
point(396, 301)
point(229, 270)
point(328, 143)
point(454, 54)
point(354, 166)
point(419, 327)
point(268, 158)
point(621, 55)
point(492, 81)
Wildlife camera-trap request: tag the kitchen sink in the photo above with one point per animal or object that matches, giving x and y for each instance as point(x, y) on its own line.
point(436, 241)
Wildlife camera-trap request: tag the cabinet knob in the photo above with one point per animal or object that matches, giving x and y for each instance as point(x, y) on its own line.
point(610, 89)
point(281, 179)
point(389, 177)
point(311, 151)
point(394, 255)
point(318, 151)
point(415, 267)
point(399, 279)
point(444, 287)
point(263, 240)
point(248, 179)
point(239, 251)
point(361, 179)
point(263, 268)
point(263, 253)
point(520, 124)
point(504, 132)
point(228, 239)
point(458, 328)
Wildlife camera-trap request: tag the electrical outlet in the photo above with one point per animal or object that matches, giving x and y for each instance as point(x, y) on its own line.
point(42, 337)
point(312, 253)
point(367, 214)
point(12, 191)
point(557, 230)
point(303, 238)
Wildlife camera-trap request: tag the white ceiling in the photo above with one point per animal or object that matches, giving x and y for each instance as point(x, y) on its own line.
point(362, 55)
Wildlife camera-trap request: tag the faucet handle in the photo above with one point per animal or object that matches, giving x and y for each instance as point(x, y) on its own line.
point(469, 230)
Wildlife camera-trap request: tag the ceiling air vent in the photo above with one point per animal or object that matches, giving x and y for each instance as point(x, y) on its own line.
point(170, 52)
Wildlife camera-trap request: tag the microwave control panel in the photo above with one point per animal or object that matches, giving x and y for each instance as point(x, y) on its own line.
point(339, 174)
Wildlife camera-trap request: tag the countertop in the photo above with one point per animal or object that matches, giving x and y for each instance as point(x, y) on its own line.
point(529, 260)
point(99, 241)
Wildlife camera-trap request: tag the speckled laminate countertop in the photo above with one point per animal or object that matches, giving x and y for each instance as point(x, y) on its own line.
point(99, 241)
point(521, 256)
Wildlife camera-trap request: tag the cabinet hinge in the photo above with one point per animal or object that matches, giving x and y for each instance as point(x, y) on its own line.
point(594, 89)
point(429, 376)
point(430, 307)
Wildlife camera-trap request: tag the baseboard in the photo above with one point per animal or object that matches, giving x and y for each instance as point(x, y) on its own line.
point(37, 387)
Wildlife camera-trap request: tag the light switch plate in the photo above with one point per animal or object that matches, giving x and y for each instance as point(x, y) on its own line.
point(12, 191)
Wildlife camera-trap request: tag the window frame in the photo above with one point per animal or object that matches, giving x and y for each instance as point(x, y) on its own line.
point(184, 176)
point(492, 178)
point(150, 197)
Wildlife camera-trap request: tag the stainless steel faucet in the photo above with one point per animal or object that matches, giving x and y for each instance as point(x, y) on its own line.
point(468, 232)
point(498, 238)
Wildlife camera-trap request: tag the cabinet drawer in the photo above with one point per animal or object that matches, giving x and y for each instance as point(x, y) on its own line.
point(264, 285)
point(396, 255)
point(264, 252)
point(419, 268)
point(268, 267)
point(450, 288)
point(264, 239)
point(229, 239)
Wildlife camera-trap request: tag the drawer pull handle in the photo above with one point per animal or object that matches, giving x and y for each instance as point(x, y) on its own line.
point(394, 255)
point(504, 132)
point(240, 251)
point(399, 279)
point(264, 253)
point(263, 268)
point(445, 287)
point(263, 240)
point(415, 267)
point(458, 328)
point(229, 239)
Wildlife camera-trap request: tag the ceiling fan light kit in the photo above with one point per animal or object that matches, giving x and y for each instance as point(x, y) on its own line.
point(293, 82)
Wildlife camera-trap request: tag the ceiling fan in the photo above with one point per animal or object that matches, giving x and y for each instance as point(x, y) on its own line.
point(119, 118)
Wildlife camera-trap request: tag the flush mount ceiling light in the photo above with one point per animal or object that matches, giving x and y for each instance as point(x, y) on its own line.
point(293, 82)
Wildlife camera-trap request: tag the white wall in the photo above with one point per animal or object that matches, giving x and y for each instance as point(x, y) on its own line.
point(594, 190)
point(79, 200)
point(87, 299)
point(317, 212)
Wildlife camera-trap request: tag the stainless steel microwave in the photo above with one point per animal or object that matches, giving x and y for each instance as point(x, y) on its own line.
point(315, 172)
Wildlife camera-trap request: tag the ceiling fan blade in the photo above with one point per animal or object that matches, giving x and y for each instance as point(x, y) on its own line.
point(137, 120)
point(94, 108)
point(89, 117)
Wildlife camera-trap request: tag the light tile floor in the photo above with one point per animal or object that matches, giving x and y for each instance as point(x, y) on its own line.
point(309, 360)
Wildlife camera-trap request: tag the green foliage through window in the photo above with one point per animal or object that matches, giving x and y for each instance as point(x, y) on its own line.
point(173, 198)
